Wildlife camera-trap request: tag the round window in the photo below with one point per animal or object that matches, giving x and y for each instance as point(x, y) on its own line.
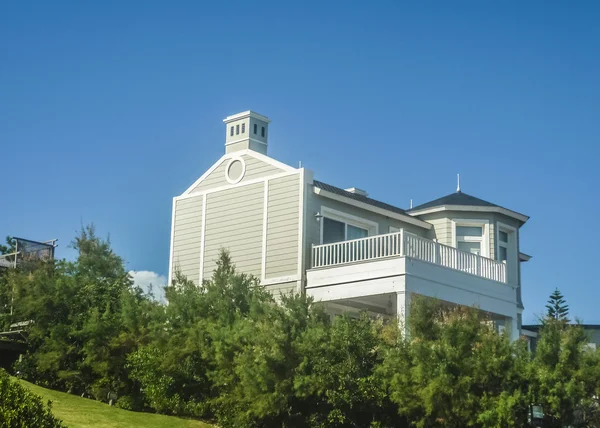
point(235, 171)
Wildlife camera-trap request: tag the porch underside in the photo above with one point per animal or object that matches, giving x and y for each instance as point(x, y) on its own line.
point(383, 288)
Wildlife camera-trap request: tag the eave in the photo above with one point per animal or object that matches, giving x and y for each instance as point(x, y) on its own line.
point(470, 208)
point(377, 210)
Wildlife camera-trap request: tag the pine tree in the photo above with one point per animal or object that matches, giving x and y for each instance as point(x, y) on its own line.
point(557, 307)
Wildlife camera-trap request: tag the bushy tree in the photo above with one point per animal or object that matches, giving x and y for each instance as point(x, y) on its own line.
point(20, 408)
point(454, 370)
point(87, 318)
point(558, 380)
point(229, 350)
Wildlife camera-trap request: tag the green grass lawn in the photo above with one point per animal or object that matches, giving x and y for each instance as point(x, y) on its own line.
point(77, 412)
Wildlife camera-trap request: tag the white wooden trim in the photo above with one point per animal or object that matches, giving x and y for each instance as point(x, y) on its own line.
point(263, 269)
point(241, 177)
point(206, 174)
point(367, 207)
point(513, 214)
point(202, 240)
point(268, 160)
point(485, 239)
point(301, 227)
point(246, 114)
point(505, 227)
point(240, 153)
point(280, 280)
point(245, 139)
point(170, 276)
point(233, 186)
point(512, 248)
point(371, 226)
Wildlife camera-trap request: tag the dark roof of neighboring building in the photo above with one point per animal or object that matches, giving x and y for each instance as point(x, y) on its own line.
point(457, 198)
point(536, 327)
point(358, 197)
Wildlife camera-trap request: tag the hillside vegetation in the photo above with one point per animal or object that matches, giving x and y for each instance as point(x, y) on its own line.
point(77, 412)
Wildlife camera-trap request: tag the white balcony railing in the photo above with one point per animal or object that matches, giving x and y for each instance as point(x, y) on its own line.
point(405, 244)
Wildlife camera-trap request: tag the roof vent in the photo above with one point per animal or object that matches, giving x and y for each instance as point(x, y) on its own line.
point(357, 191)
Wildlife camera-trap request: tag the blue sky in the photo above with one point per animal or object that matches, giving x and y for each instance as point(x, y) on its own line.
point(109, 109)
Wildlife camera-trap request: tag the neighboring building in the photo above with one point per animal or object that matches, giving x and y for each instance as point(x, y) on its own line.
point(530, 332)
point(340, 246)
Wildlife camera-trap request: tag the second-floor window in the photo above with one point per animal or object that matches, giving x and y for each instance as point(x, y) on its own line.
point(336, 231)
point(502, 246)
point(471, 236)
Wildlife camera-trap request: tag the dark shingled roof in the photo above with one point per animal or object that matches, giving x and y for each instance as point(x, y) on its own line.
point(357, 197)
point(458, 198)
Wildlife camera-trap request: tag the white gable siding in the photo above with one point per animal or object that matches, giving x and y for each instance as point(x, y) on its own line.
point(187, 235)
point(234, 221)
point(282, 226)
point(255, 168)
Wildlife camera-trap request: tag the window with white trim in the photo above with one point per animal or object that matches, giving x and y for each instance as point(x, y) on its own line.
point(502, 246)
point(336, 231)
point(471, 236)
point(337, 226)
point(507, 251)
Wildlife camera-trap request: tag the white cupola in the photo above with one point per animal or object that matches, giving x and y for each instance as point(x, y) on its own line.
point(246, 130)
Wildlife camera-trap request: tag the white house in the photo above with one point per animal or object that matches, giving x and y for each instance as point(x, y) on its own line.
point(343, 248)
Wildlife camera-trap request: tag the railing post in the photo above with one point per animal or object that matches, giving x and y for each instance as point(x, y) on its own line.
point(478, 265)
point(436, 252)
point(402, 242)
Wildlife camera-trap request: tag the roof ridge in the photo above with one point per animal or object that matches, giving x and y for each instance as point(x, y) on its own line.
point(358, 197)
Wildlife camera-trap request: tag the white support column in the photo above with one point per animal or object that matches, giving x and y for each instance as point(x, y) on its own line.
point(402, 309)
point(513, 324)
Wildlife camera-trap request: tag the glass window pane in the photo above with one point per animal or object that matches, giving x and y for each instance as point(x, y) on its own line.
point(469, 247)
point(502, 253)
point(503, 236)
point(356, 232)
point(333, 231)
point(469, 231)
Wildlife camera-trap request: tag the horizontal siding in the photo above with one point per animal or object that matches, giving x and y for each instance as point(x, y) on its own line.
point(187, 235)
point(234, 221)
point(254, 169)
point(282, 226)
point(214, 179)
point(284, 288)
point(442, 230)
point(258, 169)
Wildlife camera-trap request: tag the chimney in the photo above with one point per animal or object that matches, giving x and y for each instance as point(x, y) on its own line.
point(246, 130)
point(357, 191)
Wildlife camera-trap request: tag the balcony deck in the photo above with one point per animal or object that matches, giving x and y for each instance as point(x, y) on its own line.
point(380, 274)
point(403, 244)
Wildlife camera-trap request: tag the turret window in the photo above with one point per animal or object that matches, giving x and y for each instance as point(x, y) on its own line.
point(262, 131)
point(231, 132)
point(237, 129)
point(255, 129)
point(243, 128)
point(471, 236)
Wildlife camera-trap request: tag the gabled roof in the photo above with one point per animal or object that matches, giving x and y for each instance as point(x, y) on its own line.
point(358, 197)
point(367, 203)
point(460, 201)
